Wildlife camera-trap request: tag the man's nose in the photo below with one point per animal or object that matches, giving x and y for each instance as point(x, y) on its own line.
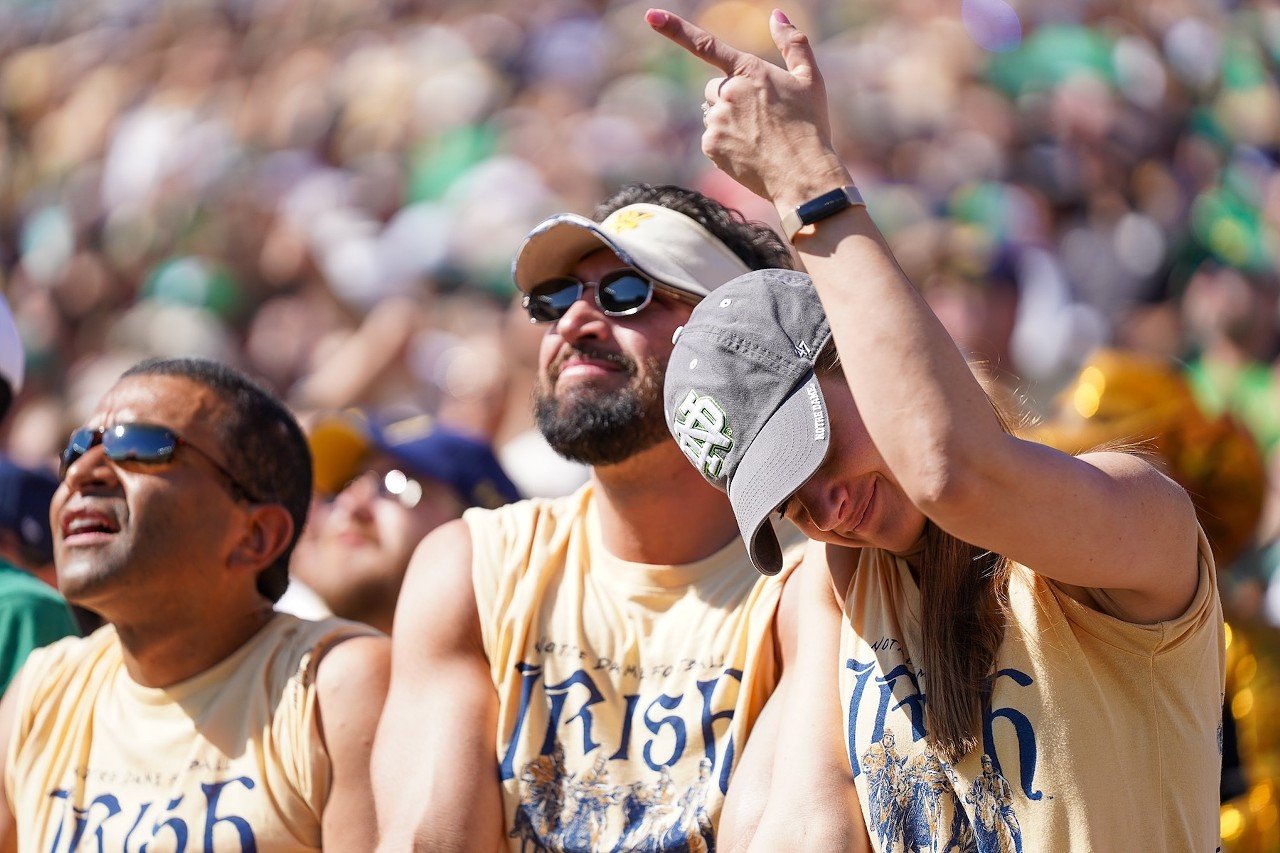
point(359, 494)
point(92, 468)
point(583, 319)
point(823, 501)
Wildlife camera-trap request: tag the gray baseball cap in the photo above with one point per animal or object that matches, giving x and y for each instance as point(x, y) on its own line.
point(663, 244)
point(742, 400)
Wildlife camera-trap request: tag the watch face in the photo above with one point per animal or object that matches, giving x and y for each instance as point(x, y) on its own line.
point(817, 209)
point(828, 204)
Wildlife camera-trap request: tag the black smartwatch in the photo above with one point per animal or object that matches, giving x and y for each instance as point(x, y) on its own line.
point(818, 209)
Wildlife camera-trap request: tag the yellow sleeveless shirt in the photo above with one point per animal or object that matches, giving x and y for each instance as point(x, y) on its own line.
point(625, 690)
point(230, 759)
point(1097, 733)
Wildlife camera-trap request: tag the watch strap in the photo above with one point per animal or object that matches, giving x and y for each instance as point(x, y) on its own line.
point(819, 208)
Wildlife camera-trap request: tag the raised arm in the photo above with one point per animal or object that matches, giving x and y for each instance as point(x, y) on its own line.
point(351, 683)
point(1106, 520)
point(434, 763)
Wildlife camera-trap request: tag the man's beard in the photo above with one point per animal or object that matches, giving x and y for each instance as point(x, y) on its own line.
point(603, 427)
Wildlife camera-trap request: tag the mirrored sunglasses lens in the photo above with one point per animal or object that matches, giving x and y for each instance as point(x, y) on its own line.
point(81, 440)
point(139, 443)
point(78, 445)
point(550, 300)
point(628, 292)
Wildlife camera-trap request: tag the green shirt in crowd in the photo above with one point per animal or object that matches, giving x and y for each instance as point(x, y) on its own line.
point(32, 614)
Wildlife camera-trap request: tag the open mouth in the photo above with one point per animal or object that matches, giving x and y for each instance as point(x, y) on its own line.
point(84, 525)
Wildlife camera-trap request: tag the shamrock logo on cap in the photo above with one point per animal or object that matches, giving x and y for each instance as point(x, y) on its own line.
point(703, 432)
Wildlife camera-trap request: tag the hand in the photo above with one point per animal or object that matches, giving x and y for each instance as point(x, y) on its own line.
point(766, 127)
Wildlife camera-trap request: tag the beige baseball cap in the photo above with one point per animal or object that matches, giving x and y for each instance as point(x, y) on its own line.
point(661, 243)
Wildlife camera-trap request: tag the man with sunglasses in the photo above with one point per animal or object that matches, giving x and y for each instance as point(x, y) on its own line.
point(197, 716)
point(611, 650)
point(380, 488)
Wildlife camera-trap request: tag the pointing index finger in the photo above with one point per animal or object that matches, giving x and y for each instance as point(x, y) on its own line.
point(696, 40)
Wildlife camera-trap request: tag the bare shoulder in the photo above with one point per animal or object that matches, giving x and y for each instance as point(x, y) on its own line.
point(1162, 510)
point(356, 663)
point(441, 563)
point(439, 583)
point(1129, 466)
point(1150, 539)
point(351, 686)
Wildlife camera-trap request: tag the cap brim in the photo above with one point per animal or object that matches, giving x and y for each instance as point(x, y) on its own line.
point(785, 454)
point(338, 444)
point(554, 249)
point(663, 244)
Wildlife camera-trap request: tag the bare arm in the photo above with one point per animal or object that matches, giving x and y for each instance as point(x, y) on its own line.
point(434, 762)
point(748, 793)
point(813, 804)
point(1101, 520)
point(747, 798)
point(792, 788)
point(8, 714)
point(351, 683)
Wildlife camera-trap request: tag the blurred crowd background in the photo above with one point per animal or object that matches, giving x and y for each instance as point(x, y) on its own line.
point(329, 193)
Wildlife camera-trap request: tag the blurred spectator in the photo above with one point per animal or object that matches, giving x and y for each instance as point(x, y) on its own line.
point(32, 614)
point(1232, 320)
point(380, 489)
point(175, 187)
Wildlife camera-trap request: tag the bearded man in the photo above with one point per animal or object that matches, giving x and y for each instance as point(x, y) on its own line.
point(616, 645)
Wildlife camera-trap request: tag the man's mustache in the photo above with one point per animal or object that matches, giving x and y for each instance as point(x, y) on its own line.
point(583, 350)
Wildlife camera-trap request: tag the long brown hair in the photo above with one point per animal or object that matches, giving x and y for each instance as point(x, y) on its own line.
point(964, 598)
point(964, 605)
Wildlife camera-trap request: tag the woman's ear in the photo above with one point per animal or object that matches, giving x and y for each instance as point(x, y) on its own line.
point(268, 531)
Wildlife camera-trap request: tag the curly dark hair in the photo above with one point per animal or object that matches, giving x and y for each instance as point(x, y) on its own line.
point(758, 245)
point(270, 458)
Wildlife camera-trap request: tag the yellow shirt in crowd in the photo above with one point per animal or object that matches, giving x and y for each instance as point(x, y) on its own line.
point(626, 691)
point(1098, 734)
point(229, 759)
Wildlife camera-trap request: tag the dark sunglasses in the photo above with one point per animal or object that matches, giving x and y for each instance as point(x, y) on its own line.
point(146, 444)
point(620, 293)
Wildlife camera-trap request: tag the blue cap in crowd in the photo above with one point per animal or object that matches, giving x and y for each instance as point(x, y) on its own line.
point(25, 495)
point(340, 444)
